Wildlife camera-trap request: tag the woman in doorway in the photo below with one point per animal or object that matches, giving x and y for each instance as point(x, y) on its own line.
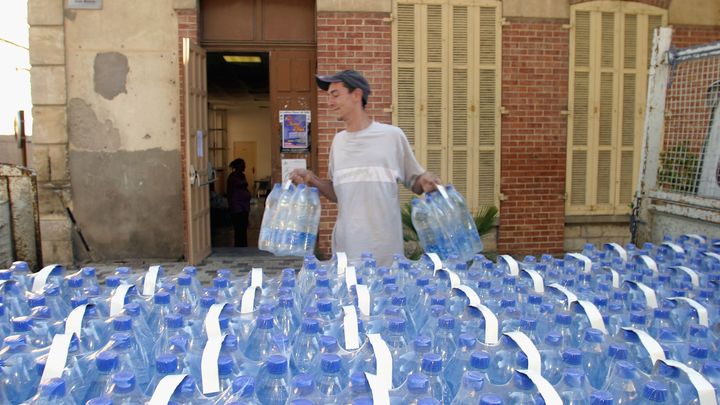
point(238, 201)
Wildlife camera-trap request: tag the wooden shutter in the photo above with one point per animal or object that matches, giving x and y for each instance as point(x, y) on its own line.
point(447, 93)
point(608, 75)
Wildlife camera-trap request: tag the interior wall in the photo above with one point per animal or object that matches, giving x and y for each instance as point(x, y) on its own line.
point(251, 123)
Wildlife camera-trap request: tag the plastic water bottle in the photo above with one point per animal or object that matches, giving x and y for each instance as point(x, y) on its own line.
point(331, 380)
point(470, 389)
point(655, 392)
point(491, 399)
point(105, 365)
point(272, 384)
point(432, 368)
point(50, 392)
point(124, 389)
point(187, 393)
point(131, 358)
point(468, 222)
point(259, 343)
point(595, 361)
point(417, 388)
point(624, 383)
point(242, 390)
point(165, 364)
point(19, 380)
point(444, 340)
point(421, 216)
point(281, 220)
point(459, 364)
point(523, 391)
point(266, 227)
point(306, 346)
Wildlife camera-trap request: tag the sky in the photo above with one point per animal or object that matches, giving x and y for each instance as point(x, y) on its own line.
point(14, 65)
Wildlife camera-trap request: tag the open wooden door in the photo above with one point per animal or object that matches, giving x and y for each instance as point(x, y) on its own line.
point(292, 87)
point(198, 171)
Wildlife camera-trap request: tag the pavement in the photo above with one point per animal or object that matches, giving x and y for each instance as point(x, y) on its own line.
point(239, 260)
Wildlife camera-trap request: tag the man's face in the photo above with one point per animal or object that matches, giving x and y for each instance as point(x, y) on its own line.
point(342, 102)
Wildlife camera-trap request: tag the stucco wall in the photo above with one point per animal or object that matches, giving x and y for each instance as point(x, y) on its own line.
point(123, 128)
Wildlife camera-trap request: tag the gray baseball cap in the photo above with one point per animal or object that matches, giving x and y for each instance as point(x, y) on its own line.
point(352, 79)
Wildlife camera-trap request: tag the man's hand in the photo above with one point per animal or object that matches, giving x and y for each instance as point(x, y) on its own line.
point(299, 176)
point(426, 183)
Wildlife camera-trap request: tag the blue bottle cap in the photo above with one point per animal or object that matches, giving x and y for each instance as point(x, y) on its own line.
point(535, 299)
point(563, 318)
point(637, 317)
point(88, 271)
point(573, 377)
point(399, 299)
point(475, 379)
point(207, 301)
point(77, 301)
point(522, 381)
point(166, 363)
point(359, 382)
point(618, 351)
point(53, 388)
point(310, 325)
point(698, 351)
point(480, 360)
point(287, 301)
point(521, 360)
point(41, 312)
point(418, 383)
point(21, 323)
point(178, 343)
point(191, 270)
point(220, 282)
point(324, 305)
point(389, 279)
point(36, 300)
point(422, 344)
point(15, 342)
point(184, 280)
point(466, 340)
point(124, 382)
point(428, 401)
point(106, 361)
point(322, 281)
point(446, 322)
point(123, 270)
point(437, 300)
point(572, 356)
point(396, 325)
point(330, 363)
point(264, 322)
point(101, 400)
point(51, 290)
point(655, 391)
point(626, 370)
point(329, 344)
point(662, 313)
point(122, 323)
point(711, 368)
point(528, 324)
point(553, 339)
point(74, 281)
point(174, 321)
point(161, 297)
point(5, 274)
point(697, 330)
point(131, 309)
point(484, 284)
point(508, 303)
point(491, 399)
point(303, 383)
point(277, 364)
point(422, 281)
point(593, 335)
point(225, 365)
point(431, 363)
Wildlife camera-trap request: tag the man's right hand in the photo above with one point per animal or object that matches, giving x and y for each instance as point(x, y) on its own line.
point(299, 176)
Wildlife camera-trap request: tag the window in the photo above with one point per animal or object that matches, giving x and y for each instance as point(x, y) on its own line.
point(610, 49)
point(446, 95)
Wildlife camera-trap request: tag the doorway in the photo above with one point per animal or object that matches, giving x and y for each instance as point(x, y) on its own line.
point(240, 127)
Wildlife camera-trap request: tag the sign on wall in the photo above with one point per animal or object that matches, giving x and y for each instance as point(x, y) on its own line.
point(295, 131)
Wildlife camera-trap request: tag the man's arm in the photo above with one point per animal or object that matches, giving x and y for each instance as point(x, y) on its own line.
point(425, 183)
point(325, 186)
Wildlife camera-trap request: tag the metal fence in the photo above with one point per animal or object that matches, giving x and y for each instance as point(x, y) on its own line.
point(679, 187)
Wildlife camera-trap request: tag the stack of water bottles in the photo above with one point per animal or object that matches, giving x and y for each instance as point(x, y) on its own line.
point(444, 224)
point(290, 220)
point(610, 325)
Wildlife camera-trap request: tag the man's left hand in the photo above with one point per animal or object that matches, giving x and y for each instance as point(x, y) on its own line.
point(426, 183)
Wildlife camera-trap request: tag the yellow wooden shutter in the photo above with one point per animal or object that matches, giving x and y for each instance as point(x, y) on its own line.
point(609, 48)
point(447, 90)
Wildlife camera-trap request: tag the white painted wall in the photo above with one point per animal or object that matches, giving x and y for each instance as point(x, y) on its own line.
point(251, 123)
point(14, 66)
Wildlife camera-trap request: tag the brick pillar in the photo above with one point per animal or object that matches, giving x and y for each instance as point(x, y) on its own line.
point(50, 136)
point(351, 40)
point(534, 136)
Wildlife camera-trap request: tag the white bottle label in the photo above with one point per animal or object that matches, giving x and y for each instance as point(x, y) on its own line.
point(594, 315)
point(619, 249)
point(569, 295)
point(117, 302)
point(649, 293)
point(150, 281)
point(57, 357)
point(383, 358)
point(694, 278)
point(73, 323)
point(705, 390)
point(470, 294)
point(492, 326)
point(212, 321)
point(256, 277)
point(350, 277)
point(247, 302)
point(437, 263)
point(546, 390)
point(350, 327)
point(587, 263)
point(512, 264)
point(528, 347)
point(538, 282)
point(342, 262)
point(209, 365)
point(363, 294)
point(40, 278)
point(165, 388)
point(702, 312)
point(650, 263)
point(379, 389)
point(651, 345)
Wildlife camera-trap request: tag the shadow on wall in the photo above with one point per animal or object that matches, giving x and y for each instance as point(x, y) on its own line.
point(10, 153)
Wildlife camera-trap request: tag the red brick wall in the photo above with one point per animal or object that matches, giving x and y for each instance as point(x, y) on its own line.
point(351, 40)
point(187, 28)
point(689, 35)
point(532, 175)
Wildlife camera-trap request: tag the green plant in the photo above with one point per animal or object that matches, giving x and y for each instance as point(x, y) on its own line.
point(679, 169)
point(484, 222)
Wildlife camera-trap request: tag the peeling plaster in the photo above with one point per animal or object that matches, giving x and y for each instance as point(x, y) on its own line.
point(86, 132)
point(110, 74)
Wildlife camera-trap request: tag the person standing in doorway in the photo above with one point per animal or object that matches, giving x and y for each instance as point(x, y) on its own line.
point(238, 201)
point(367, 160)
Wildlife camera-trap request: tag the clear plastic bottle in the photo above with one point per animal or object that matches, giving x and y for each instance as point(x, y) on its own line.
point(655, 392)
point(459, 364)
point(165, 364)
point(523, 391)
point(444, 340)
point(272, 384)
point(306, 347)
point(124, 389)
point(331, 380)
point(266, 227)
point(50, 392)
point(432, 368)
point(19, 380)
point(470, 390)
point(105, 365)
point(259, 343)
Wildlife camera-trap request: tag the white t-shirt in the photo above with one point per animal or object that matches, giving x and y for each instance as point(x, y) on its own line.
point(365, 168)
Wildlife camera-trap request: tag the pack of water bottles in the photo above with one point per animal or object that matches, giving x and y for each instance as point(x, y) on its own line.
point(290, 220)
point(444, 224)
point(608, 325)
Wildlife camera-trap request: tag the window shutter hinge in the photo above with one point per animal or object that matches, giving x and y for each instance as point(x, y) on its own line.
point(504, 22)
point(567, 26)
point(565, 112)
point(388, 19)
point(564, 196)
point(504, 111)
point(502, 197)
point(390, 109)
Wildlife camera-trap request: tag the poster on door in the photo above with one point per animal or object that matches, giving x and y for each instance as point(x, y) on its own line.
point(295, 131)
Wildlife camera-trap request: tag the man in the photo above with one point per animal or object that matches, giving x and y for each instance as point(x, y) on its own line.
point(367, 159)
